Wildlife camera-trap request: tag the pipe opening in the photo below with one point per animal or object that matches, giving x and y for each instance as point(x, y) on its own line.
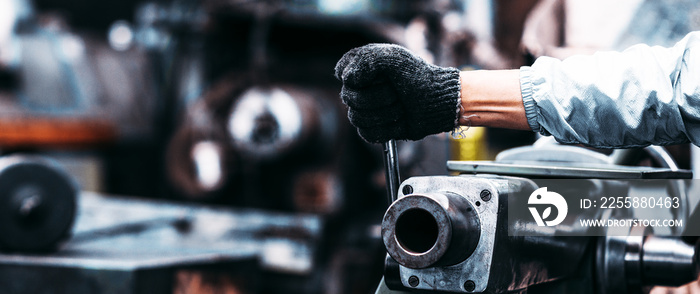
point(416, 230)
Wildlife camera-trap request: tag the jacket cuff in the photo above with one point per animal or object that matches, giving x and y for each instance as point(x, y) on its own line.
point(528, 101)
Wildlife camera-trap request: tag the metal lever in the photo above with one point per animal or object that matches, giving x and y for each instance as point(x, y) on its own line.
point(391, 167)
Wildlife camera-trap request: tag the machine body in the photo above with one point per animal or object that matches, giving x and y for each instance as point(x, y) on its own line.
point(452, 234)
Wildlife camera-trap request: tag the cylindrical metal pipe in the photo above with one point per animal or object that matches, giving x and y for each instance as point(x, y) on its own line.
point(668, 262)
point(436, 229)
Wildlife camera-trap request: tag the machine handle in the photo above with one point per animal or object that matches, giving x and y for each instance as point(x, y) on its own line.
point(391, 167)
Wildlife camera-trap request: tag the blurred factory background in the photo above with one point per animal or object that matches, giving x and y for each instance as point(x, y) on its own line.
point(209, 142)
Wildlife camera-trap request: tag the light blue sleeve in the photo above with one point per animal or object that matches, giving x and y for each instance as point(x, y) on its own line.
point(641, 96)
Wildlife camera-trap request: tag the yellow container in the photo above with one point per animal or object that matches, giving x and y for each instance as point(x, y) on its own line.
point(469, 143)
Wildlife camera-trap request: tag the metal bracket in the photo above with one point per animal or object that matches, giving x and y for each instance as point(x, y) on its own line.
point(471, 275)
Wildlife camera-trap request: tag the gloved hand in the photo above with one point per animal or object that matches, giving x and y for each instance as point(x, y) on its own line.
point(393, 94)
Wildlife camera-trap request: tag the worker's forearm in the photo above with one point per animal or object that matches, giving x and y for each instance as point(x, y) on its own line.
point(492, 98)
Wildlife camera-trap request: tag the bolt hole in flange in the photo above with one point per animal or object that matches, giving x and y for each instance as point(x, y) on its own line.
point(469, 286)
point(416, 231)
point(407, 190)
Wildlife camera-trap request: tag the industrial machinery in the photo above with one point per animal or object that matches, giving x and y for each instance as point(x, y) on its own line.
point(228, 110)
point(55, 239)
point(38, 204)
point(255, 100)
point(196, 103)
point(464, 233)
point(122, 245)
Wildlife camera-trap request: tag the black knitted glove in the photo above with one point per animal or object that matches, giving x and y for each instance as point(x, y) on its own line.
point(393, 94)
